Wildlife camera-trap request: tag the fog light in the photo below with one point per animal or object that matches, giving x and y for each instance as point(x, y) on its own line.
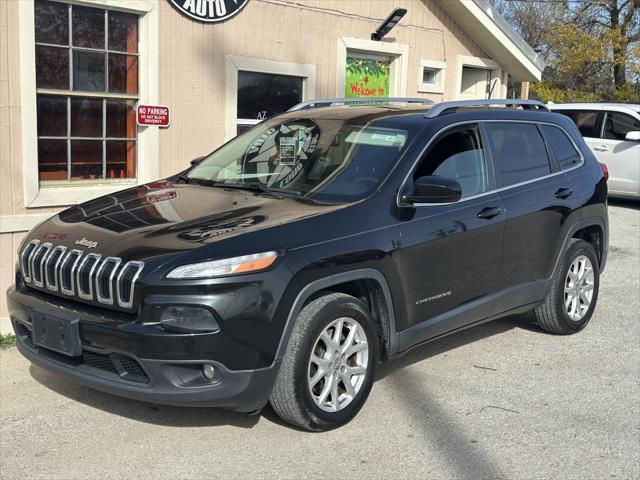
point(208, 371)
point(188, 319)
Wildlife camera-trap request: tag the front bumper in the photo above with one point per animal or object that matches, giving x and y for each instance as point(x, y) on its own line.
point(117, 366)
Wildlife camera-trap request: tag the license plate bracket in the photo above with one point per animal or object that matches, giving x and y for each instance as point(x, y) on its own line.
point(61, 335)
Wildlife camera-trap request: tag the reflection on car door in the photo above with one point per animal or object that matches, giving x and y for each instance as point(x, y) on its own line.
point(621, 156)
point(450, 254)
point(538, 199)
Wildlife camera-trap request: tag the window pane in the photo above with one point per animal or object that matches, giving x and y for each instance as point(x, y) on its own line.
point(52, 22)
point(121, 159)
point(518, 151)
point(429, 76)
point(52, 116)
point(88, 27)
point(88, 71)
point(585, 120)
point(123, 73)
point(561, 146)
point(86, 117)
point(52, 159)
point(86, 159)
point(262, 95)
point(617, 125)
point(52, 67)
point(123, 32)
point(240, 128)
point(121, 119)
point(458, 156)
point(367, 77)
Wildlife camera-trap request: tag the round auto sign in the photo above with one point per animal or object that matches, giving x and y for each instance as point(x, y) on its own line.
point(209, 10)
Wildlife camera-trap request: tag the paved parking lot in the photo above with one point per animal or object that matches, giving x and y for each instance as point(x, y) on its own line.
point(503, 400)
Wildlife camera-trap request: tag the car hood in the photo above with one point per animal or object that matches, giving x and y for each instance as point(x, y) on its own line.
point(162, 218)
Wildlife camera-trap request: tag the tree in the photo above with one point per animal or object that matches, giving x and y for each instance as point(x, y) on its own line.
point(592, 47)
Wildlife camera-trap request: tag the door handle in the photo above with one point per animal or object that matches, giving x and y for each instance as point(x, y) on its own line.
point(489, 212)
point(564, 193)
point(600, 148)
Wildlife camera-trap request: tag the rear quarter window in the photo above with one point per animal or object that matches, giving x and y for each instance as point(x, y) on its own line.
point(519, 153)
point(561, 146)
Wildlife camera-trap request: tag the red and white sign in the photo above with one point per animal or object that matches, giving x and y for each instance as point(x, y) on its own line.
point(153, 115)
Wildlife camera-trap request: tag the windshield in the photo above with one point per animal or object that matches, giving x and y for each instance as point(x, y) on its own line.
point(324, 159)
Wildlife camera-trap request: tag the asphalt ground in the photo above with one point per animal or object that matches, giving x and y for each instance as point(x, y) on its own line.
point(501, 400)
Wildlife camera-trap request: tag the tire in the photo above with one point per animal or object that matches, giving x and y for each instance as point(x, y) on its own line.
point(553, 315)
point(293, 398)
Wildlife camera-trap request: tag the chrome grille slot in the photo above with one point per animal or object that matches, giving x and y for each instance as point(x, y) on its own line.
point(25, 262)
point(104, 279)
point(52, 266)
point(37, 263)
point(67, 269)
point(124, 285)
point(84, 275)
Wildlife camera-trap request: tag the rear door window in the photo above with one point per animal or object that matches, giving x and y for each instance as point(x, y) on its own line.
point(564, 150)
point(519, 153)
point(618, 124)
point(585, 120)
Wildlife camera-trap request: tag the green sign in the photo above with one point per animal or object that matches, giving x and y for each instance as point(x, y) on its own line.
point(366, 77)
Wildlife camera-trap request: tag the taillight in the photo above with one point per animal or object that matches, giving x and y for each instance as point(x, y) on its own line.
point(605, 170)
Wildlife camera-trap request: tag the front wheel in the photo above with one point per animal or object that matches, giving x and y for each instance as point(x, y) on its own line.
point(328, 369)
point(572, 297)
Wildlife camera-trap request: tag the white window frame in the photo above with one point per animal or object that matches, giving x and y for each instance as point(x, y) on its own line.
point(148, 164)
point(439, 68)
point(486, 63)
point(234, 64)
point(397, 53)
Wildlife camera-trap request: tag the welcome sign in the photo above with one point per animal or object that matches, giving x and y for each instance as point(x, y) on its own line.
point(366, 77)
point(209, 10)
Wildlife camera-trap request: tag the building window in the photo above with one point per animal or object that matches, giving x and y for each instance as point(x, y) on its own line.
point(431, 77)
point(87, 89)
point(263, 95)
point(367, 76)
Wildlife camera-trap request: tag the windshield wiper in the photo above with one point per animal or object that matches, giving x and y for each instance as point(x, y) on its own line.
point(260, 188)
point(183, 177)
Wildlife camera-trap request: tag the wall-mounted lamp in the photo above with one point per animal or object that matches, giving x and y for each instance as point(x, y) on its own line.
point(386, 26)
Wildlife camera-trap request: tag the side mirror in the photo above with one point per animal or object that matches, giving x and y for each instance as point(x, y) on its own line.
point(633, 136)
point(434, 189)
point(197, 160)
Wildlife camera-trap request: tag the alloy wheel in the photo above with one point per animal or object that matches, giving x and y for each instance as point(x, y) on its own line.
point(578, 288)
point(338, 364)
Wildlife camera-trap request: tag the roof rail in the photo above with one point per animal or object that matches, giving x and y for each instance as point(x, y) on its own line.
point(325, 102)
point(444, 107)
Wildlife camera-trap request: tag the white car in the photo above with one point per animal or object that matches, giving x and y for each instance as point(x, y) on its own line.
point(612, 131)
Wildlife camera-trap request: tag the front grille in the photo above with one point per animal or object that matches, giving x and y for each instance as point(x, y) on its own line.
point(132, 368)
point(98, 360)
point(125, 367)
point(74, 273)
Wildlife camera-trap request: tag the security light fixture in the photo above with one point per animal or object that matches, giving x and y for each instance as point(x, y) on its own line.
point(386, 26)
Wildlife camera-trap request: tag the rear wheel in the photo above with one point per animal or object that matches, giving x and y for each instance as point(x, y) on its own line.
point(572, 297)
point(327, 372)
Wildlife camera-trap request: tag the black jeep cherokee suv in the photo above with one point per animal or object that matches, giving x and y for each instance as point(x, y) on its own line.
point(284, 266)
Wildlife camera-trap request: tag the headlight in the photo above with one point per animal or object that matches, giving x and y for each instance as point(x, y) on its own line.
point(228, 266)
